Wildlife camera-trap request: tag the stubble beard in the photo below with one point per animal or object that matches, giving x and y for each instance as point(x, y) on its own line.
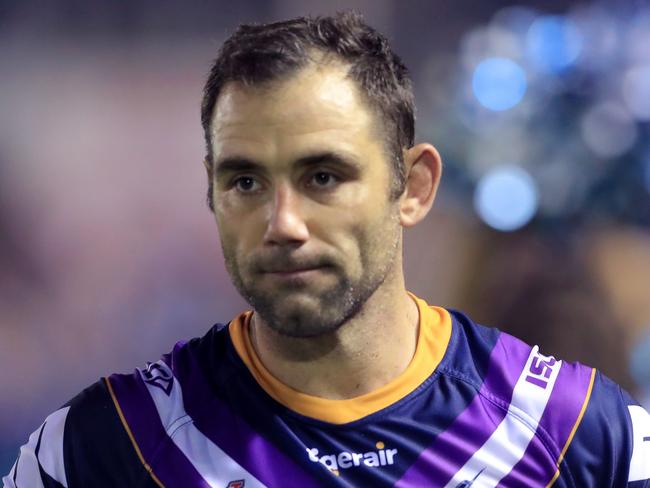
point(328, 310)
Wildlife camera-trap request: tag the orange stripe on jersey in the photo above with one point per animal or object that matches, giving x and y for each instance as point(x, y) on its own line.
point(433, 337)
point(130, 434)
point(575, 427)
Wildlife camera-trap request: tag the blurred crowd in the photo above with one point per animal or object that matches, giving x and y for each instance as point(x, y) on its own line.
point(109, 254)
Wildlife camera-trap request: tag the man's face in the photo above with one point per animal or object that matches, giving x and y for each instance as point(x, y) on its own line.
point(301, 199)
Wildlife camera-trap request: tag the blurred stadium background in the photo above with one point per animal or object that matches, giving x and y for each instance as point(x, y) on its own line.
point(108, 253)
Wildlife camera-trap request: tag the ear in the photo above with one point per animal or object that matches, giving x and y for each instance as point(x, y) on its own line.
point(423, 170)
point(208, 168)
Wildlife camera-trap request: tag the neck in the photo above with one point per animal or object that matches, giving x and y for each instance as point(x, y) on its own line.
point(367, 352)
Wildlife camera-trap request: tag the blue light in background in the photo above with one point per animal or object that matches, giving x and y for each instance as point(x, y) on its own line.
point(506, 198)
point(553, 43)
point(636, 91)
point(499, 83)
point(640, 361)
point(608, 130)
point(646, 170)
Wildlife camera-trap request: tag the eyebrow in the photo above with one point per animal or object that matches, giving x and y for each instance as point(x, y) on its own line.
point(239, 163)
point(235, 163)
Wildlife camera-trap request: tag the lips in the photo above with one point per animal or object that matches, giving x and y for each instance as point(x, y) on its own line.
point(293, 270)
point(282, 264)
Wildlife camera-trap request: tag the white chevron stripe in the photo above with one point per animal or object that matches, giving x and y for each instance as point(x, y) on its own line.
point(50, 455)
point(507, 444)
point(212, 463)
point(8, 481)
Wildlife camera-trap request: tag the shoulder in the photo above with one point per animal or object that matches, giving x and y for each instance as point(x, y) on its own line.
point(90, 441)
point(97, 447)
point(514, 374)
point(40, 461)
point(81, 444)
point(583, 426)
point(612, 441)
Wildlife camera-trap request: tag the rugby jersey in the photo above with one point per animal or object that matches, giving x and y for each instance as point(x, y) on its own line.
point(475, 407)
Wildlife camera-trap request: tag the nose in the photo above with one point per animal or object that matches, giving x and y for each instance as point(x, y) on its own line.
point(286, 224)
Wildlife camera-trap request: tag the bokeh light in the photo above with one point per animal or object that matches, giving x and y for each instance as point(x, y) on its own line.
point(489, 42)
point(637, 37)
point(636, 91)
point(506, 198)
point(515, 18)
point(560, 192)
point(553, 43)
point(601, 38)
point(646, 170)
point(499, 83)
point(608, 130)
point(564, 98)
point(640, 361)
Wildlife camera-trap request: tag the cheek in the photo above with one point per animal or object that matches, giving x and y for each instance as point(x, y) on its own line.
point(361, 234)
point(379, 233)
point(228, 245)
point(231, 246)
point(238, 230)
point(354, 198)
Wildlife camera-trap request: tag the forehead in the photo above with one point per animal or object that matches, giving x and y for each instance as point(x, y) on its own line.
point(318, 103)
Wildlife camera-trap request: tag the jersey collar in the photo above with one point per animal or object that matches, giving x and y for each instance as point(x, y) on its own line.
point(434, 334)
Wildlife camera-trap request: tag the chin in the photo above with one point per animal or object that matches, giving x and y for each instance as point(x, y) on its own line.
point(301, 320)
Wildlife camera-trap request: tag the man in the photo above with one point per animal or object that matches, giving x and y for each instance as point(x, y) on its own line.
point(339, 376)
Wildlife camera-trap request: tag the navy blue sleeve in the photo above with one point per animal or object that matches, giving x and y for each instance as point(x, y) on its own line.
point(611, 446)
point(82, 444)
point(97, 450)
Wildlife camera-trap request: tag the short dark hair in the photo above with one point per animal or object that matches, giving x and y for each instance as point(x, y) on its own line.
point(258, 53)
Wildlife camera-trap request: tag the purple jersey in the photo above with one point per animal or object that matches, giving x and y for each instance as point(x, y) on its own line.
point(476, 407)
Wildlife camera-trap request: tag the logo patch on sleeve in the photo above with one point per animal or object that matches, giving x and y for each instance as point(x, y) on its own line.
point(640, 462)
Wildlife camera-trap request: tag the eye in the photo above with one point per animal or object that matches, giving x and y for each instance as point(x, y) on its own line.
point(246, 184)
point(323, 179)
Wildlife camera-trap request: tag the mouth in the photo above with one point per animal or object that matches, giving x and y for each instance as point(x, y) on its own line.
point(297, 273)
point(294, 271)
